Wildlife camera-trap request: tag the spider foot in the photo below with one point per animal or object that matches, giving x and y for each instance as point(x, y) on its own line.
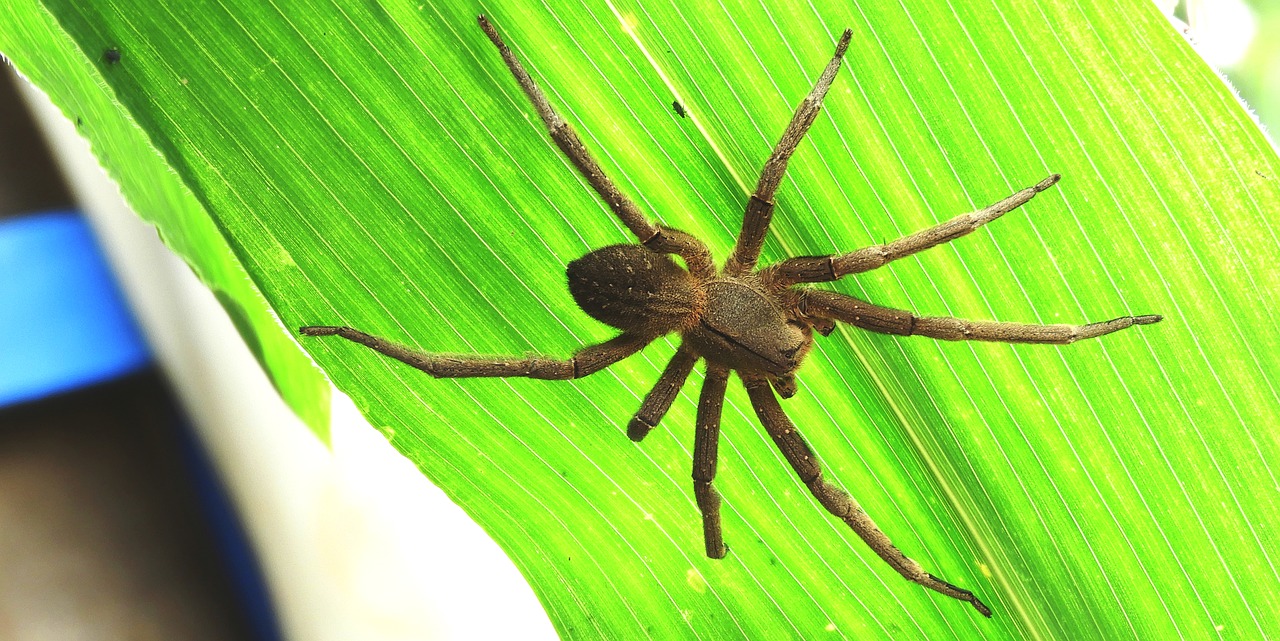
point(964, 595)
point(785, 386)
point(1047, 183)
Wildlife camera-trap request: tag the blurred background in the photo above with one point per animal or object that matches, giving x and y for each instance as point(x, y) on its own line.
point(152, 484)
point(1240, 38)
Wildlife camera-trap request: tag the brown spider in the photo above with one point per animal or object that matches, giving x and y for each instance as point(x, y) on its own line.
point(756, 322)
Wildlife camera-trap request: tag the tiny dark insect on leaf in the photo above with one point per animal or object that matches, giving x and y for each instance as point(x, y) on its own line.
point(111, 55)
point(757, 322)
point(675, 104)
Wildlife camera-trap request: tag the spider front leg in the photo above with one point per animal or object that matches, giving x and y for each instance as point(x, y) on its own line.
point(706, 444)
point(584, 362)
point(885, 320)
point(655, 237)
point(837, 501)
point(755, 223)
point(820, 269)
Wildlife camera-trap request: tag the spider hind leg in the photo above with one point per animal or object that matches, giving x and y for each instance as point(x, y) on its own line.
point(705, 452)
point(837, 501)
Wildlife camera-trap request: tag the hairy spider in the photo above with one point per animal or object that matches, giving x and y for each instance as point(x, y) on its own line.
point(756, 322)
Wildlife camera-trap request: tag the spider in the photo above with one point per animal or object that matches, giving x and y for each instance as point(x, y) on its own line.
point(740, 318)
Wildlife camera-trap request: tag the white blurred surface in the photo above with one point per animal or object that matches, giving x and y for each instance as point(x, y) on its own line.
point(1222, 29)
point(354, 542)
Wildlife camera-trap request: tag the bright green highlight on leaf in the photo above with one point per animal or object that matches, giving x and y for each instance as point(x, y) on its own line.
point(377, 166)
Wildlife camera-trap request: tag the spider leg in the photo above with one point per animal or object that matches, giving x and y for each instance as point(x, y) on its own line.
point(755, 223)
point(655, 237)
point(659, 399)
point(584, 362)
point(885, 320)
point(837, 501)
point(705, 446)
point(819, 269)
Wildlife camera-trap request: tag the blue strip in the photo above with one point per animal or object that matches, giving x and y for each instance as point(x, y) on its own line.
point(63, 322)
point(239, 559)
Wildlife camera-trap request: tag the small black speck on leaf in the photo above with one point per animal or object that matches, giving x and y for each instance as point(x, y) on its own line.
point(111, 55)
point(675, 104)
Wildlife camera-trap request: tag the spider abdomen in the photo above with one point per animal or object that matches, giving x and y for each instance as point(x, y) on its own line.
point(632, 288)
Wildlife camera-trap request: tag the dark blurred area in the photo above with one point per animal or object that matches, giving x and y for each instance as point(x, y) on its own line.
point(29, 181)
point(112, 526)
point(101, 534)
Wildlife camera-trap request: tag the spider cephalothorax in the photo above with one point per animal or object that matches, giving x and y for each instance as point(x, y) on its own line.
point(756, 322)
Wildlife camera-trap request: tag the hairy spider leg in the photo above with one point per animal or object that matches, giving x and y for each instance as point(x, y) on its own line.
point(662, 395)
point(706, 444)
point(755, 223)
point(885, 320)
point(820, 269)
point(656, 237)
point(584, 362)
point(837, 501)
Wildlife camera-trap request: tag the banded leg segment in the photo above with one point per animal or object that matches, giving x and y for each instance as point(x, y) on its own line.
point(819, 269)
point(837, 501)
point(885, 320)
point(657, 238)
point(664, 392)
point(569, 143)
point(584, 362)
point(755, 223)
point(706, 446)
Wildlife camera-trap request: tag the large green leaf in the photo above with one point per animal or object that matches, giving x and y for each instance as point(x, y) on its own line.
point(377, 166)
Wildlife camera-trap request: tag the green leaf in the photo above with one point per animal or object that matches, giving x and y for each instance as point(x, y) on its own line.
point(377, 166)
